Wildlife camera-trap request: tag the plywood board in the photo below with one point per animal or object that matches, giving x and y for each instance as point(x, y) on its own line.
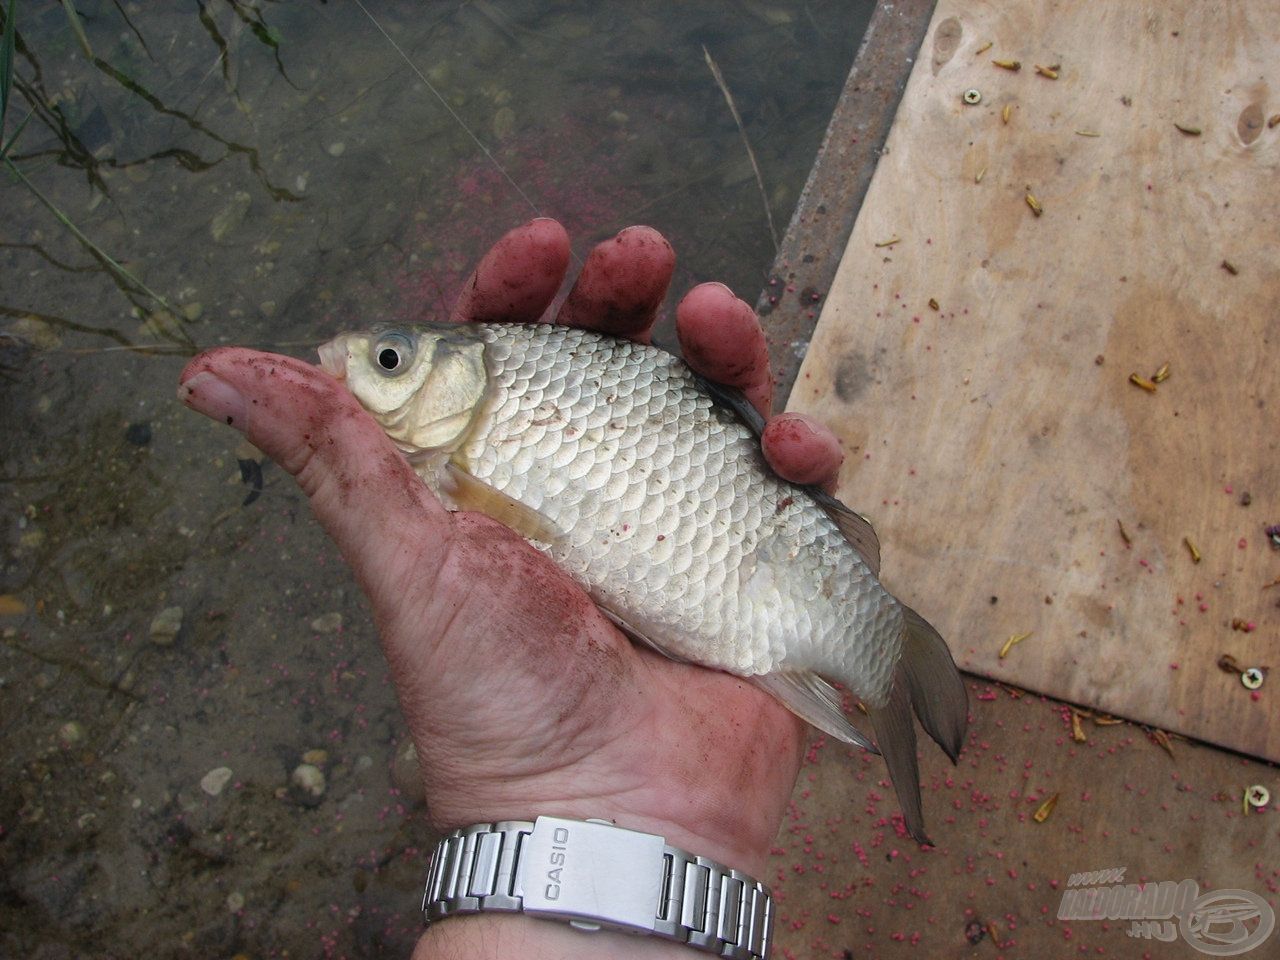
point(997, 441)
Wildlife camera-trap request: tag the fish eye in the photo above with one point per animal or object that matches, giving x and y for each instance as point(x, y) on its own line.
point(393, 353)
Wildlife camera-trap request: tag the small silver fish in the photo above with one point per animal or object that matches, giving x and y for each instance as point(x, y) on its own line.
point(646, 483)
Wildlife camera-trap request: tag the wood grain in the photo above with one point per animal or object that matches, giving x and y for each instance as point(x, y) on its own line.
point(997, 442)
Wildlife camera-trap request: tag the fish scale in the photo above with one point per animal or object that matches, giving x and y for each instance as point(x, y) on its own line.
point(620, 464)
point(732, 575)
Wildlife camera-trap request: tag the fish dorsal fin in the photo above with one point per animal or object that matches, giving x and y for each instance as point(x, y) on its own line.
point(735, 400)
point(856, 528)
point(470, 493)
point(813, 700)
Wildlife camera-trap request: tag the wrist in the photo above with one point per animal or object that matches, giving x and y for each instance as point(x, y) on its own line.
point(598, 877)
point(502, 936)
point(727, 812)
point(727, 840)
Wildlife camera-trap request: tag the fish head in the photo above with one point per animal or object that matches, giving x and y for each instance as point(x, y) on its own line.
point(422, 384)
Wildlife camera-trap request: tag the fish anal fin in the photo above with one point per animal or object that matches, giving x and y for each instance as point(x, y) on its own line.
point(813, 700)
point(470, 493)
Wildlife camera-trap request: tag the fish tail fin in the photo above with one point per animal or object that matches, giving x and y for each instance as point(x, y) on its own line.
point(926, 680)
point(937, 692)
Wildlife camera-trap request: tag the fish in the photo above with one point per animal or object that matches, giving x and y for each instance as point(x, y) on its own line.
point(646, 483)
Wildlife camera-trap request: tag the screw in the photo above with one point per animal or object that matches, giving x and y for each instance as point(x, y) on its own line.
point(1252, 678)
point(972, 95)
point(1257, 795)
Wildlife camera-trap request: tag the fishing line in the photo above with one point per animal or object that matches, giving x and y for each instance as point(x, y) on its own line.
point(453, 113)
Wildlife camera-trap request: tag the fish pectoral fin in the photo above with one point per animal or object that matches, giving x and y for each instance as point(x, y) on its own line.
point(637, 636)
point(470, 493)
point(814, 700)
point(856, 528)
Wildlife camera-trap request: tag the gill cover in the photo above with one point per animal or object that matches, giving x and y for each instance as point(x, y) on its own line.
point(423, 386)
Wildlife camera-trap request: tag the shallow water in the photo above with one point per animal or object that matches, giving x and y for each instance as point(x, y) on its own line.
point(276, 172)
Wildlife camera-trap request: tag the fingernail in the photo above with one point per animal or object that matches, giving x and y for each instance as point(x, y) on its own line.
point(216, 399)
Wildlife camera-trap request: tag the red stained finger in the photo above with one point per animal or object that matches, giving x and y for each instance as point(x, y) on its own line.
point(519, 277)
point(802, 450)
point(622, 285)
point(722, 340)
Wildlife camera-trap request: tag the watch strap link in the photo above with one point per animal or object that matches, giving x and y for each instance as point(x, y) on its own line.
point(700, 902)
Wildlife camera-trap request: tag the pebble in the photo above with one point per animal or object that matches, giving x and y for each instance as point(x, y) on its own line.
point(70, 734)
point(337, 148)
point(317, 758)
point(504, 123)
point(235, 901)
point(11, 606)
point(193, 310)
point(307, 784)
point(39, 333)
point(215, 780)
point(327, 623)
point(165, 626)
point(230, 216)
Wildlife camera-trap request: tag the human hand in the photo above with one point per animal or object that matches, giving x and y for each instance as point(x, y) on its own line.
point(522, 699)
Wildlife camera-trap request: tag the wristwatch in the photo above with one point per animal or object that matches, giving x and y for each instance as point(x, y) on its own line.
point(597, 876)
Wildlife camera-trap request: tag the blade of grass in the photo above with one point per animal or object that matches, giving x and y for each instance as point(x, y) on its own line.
point(77, 27)
point(174, 330)
point(742, 131)
point(8, 145)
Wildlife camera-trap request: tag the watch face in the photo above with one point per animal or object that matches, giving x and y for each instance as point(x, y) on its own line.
point(595, 872)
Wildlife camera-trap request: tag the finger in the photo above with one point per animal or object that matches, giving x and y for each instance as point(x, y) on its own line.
point(722, 340)
point(802, 450)
point(518, 278)
point(622, 285)
point(360, 487)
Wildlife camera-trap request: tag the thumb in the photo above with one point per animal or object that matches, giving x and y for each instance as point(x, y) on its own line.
point(361, 489)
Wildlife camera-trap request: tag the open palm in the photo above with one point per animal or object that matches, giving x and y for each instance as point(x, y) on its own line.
point(521, 697)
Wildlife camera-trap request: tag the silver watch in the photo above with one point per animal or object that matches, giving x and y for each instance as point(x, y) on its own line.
point(595, 875)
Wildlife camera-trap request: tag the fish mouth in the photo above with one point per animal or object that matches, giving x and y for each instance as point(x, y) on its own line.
point(333, 357)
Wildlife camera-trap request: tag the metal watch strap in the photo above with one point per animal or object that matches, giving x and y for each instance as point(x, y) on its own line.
point(595, 875)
